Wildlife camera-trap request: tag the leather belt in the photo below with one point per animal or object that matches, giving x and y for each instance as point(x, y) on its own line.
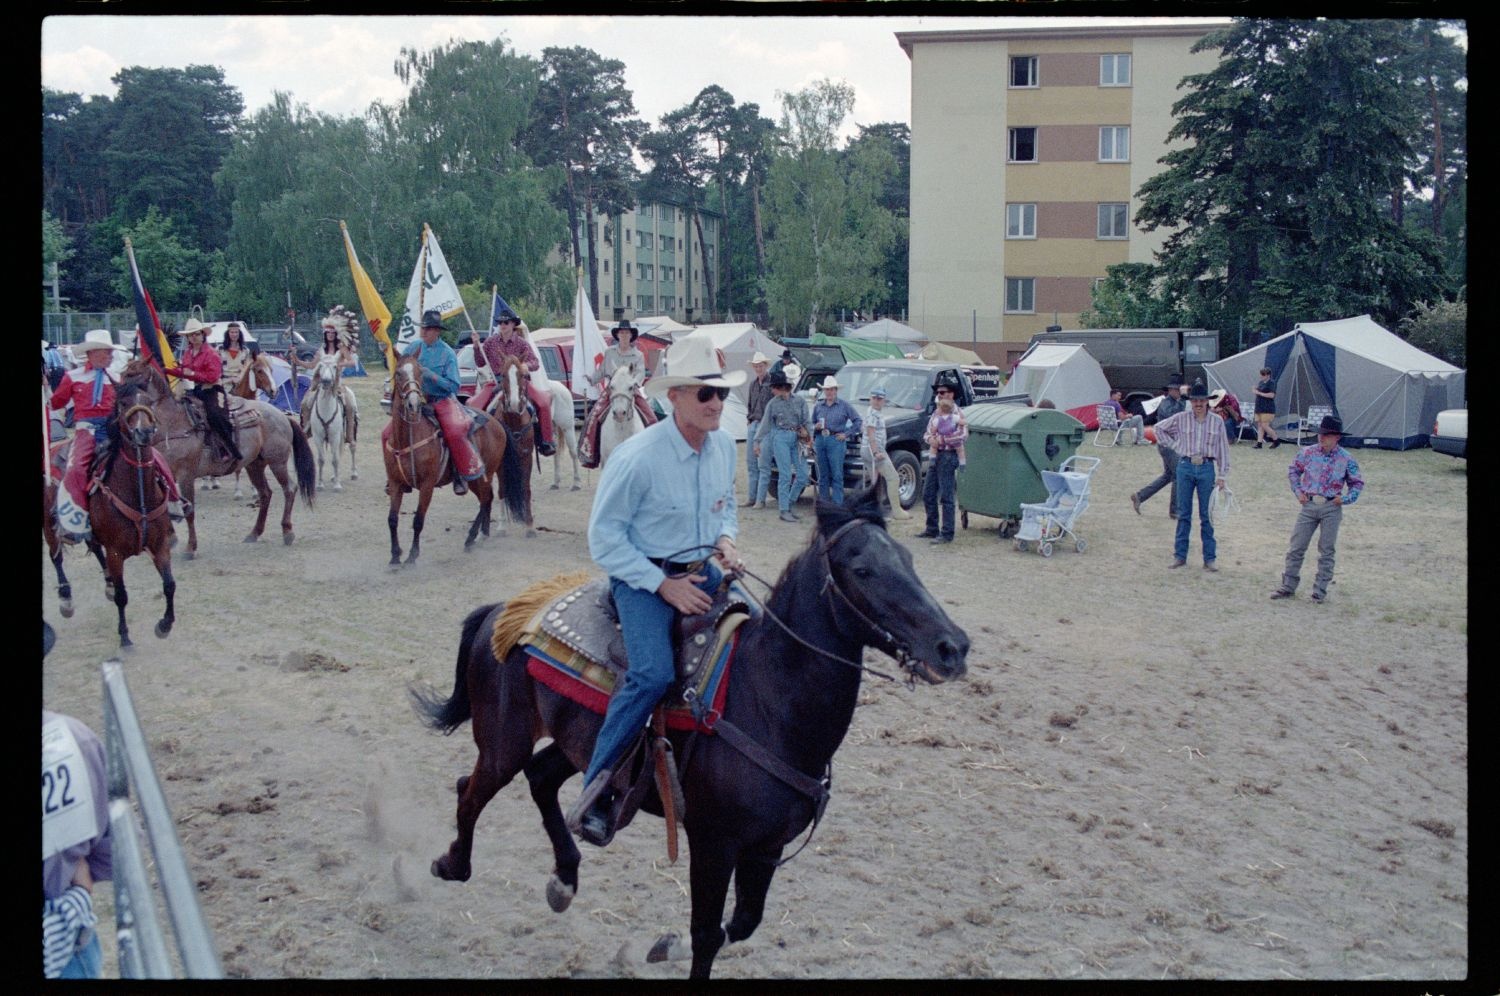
point(678, 566)
point(1319, 499)
point(1199, 461)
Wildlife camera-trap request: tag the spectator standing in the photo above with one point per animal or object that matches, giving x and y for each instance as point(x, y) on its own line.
point(1171, 404)
point(757, 468)
point(946, 431)
point(1203, 450)
point(877, 462)
point(835, 422)
point(785, 421)
point(76, 846)
point(1227, 407)
point(1318, 476)
point(1265, 409)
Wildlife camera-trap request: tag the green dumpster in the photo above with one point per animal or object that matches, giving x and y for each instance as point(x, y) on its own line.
point(1009, 446)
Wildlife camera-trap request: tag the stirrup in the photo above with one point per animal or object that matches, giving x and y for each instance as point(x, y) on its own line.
point(586, 799)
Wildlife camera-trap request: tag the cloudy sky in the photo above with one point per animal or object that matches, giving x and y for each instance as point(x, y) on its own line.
point(338, 65)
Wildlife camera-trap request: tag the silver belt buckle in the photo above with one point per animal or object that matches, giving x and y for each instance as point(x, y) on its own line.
point(1196, 461)
point(1319, 500)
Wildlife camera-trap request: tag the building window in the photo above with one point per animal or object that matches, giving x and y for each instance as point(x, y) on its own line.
point(627, 236)
point(1023, 70)
point(1020, 295)
point(606, 266)
point(710, 254)
point(1020, 221)
point(606, 300)
point(668, 303)
point(1023, 145)
point(627, 269)
point(664, 243)
point(679, 245)
point(666, 212)
point(648, 272)
point(1113, 221)
point(644, 211)
point(1114, 70)
point(648, 301)
point(645, 239)
point(1114, 144)
point(627, 300)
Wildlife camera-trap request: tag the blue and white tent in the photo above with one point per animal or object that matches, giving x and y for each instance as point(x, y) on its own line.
point(1387, 391)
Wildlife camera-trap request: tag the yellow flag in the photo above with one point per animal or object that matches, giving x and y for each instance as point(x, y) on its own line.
point(376, 313)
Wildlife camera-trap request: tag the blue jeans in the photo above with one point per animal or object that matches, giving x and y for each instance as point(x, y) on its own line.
point(940, 487)
point(790, 467)
point(752, 465)
point(646, 625)
point(87, 963)
point(829, 453)
point(1192, 479)
point(759, 467)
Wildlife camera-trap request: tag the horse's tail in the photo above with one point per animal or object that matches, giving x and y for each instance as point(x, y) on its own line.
point(307, 469)
point(513, 478)
point(446, 715)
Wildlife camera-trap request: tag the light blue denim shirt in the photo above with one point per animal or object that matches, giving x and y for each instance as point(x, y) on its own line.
point(658, 497)
point(439, 368)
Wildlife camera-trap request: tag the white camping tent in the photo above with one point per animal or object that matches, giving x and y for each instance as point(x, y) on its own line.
point(1387, 391)
point(738, 341)
point(1062, 373)
point(661, 325)
point(887, 330)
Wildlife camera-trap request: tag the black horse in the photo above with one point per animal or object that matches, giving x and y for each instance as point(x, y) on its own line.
point(852, 587)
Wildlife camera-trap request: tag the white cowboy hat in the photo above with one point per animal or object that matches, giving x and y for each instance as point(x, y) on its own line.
point(829, 381)
point(193, 325)
point(694, 362)
point(792, 372)
point(759, 357)
point(1214, 397)
point(99, 339)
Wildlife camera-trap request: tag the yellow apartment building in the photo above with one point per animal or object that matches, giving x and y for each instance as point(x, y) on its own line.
point(1027, 148)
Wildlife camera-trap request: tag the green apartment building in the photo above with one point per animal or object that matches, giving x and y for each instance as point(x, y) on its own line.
point(650, 262)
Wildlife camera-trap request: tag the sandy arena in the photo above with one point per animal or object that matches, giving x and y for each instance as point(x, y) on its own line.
point(1146, 773)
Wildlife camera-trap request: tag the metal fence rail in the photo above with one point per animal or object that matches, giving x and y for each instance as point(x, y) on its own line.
point(143, 952)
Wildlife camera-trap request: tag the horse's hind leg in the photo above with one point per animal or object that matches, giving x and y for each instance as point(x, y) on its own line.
point(497, 764)
point(418, 519)
point(546, 772)
point(257, 472)
point(64, 588)
point(238, 491)
point(713, 862)
point(162, 557)
point(481, 488)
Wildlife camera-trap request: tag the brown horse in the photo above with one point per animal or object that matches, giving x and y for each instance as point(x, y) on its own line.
point(417, 458)
point(752, 788)
point(271, 442)
point(55, 545)
point(128, 510)
point(511, 407)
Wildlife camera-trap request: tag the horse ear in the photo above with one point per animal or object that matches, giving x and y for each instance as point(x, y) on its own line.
point(831, 516)
point(865, 503)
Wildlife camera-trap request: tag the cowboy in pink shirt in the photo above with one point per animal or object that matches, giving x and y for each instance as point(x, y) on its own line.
point(509, 341)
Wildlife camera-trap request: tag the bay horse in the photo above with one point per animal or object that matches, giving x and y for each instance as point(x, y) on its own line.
point(416, 457)
point(55, 544)
point(271, 443)
point(622, 420)
point(793, 687)
point(332, 416)
point(510, 405)
point(128, 510)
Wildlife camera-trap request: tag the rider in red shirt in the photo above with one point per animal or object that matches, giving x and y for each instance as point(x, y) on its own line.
point(200, 364)
point(91, 389)
point(509, 341)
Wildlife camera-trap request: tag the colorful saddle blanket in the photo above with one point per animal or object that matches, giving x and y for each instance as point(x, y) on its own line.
point(568, 648)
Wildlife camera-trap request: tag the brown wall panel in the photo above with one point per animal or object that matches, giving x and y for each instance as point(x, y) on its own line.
point(1067, 220)
point(1069, 143)
point(1068, 69)
point(1072, 294)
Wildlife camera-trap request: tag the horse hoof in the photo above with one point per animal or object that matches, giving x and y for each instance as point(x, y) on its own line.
point(125, 645)
point(163, 629)
point(338, 487)
point(530, 532)
point(441, 870)
point(213, 486)
point(353, 477)
point(287, 537)
point(66, 608)
point(190, 555)
point(668, 947)
point(559, 896)
point(252, 538)
point(576, 487)
point(554, 488)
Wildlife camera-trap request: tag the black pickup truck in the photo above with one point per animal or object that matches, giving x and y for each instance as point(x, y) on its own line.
point(909, 404)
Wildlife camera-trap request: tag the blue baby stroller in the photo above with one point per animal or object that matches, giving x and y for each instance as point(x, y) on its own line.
point(1044, 523)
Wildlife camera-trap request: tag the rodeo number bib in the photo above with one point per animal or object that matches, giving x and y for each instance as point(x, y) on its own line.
point(67, 791)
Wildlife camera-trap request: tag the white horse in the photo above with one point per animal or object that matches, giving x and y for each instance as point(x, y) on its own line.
point(564, 430)
point(331, 416)
point(623, 419)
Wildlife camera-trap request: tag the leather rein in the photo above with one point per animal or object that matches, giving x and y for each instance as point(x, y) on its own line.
point(142, 517)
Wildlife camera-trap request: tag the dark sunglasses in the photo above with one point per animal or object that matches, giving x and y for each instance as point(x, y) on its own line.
point(704, 393)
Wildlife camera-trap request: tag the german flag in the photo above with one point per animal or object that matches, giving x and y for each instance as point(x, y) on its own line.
point(153, 342)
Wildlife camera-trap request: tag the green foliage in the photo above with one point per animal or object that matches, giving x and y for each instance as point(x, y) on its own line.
point(173, 272)
point(1129, 298)
point(1441, 329)
point(1280, 205)
point(829, 233)
point(56, 246)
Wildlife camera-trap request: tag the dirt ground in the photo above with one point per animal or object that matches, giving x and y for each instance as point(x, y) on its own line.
point(1146, 773)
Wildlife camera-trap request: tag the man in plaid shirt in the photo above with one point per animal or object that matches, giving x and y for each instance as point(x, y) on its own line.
point(1203, 464)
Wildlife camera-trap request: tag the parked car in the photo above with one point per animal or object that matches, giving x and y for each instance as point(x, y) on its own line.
point(1450, 433)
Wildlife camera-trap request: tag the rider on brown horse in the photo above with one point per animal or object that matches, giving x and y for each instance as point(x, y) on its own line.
point(621, 354)
point(200, 364)
point(439, 385)
point(508, 340)
point(91, 388)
